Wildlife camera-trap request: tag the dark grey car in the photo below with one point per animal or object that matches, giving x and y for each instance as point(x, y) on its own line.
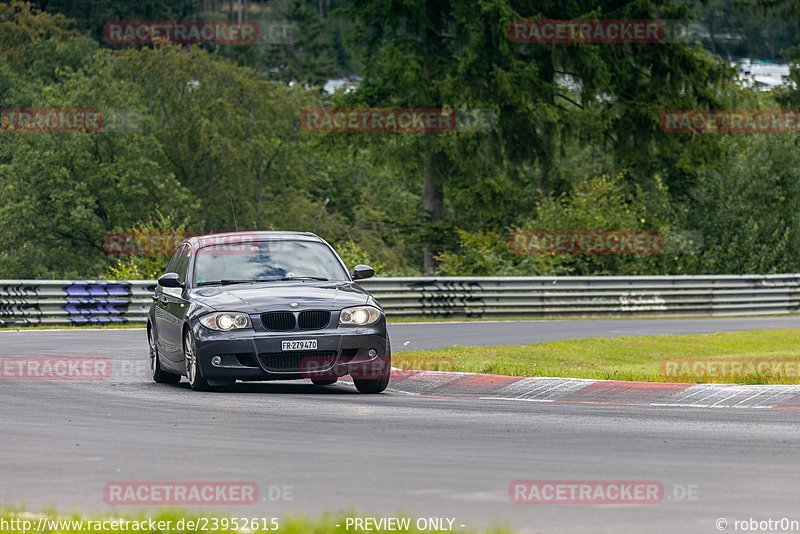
point(265, 306)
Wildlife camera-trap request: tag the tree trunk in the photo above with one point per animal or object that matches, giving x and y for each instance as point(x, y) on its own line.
point(209, 190)
point(259, 192)
point(433, 204)
point(547, 128)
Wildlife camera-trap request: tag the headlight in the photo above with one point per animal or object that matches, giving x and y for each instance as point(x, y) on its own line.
point(224, 321)
point(359, 315)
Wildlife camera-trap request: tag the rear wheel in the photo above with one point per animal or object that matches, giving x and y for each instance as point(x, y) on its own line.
point(196, 380)
point(320, 382)
point(158, 374)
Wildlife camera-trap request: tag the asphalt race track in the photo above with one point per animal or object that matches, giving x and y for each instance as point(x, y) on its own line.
point(417, 336)
point(335, 449)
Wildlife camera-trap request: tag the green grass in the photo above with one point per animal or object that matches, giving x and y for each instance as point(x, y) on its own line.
point(628, 358)
point(168, 521)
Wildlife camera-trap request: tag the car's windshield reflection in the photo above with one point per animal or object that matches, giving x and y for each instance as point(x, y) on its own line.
point(264, 261)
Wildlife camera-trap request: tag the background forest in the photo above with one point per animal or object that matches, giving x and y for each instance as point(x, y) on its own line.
point(574, 141)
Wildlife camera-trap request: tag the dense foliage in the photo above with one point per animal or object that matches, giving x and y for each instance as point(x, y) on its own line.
point(208, 138)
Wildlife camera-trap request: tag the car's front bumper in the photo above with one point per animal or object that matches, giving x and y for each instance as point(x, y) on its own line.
point(255, 354)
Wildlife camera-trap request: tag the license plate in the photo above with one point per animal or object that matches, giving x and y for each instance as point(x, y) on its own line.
point(300, 344)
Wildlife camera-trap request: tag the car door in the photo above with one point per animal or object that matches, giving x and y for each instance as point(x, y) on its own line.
point(168, 325)
point(176, 306)
point(161, 322)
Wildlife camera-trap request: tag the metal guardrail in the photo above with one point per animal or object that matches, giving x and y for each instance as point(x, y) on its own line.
point(62, 302)
point(107, 302)
point(589, 296)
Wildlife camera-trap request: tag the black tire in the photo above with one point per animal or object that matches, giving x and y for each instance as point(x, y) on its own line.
point(159, 375)
point(379, 383)
point(324, 382)
point(196, 380)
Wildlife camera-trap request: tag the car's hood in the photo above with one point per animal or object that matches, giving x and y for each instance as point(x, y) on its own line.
point(272, 296)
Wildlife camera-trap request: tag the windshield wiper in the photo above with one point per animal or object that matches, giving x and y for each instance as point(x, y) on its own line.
point(225, 282)
point(289, 278)
point(284, 279)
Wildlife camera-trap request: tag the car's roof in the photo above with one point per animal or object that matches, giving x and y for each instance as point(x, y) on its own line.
point(235, 237)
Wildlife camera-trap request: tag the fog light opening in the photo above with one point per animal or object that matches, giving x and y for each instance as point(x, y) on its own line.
point(372, 353)
point(216, 360)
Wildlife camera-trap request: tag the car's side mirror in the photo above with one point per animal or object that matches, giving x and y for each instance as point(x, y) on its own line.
point(361, 272)
point(170, 280)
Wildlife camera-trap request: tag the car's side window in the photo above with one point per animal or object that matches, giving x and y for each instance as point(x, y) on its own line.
point(173, 261)
point(183, 262)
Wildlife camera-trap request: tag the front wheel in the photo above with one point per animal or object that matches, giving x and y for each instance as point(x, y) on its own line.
point(378, 383)
point(196, 380)
point(159, 375)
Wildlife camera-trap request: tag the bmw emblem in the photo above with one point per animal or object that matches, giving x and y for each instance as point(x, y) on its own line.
point(294, 304)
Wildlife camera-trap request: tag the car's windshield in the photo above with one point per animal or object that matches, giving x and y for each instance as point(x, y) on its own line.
point(267, 260)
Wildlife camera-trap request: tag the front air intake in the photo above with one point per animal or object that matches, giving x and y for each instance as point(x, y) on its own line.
point(296, 362)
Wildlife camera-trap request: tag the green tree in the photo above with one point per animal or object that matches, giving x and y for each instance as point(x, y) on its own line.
point(746, 204)
point(91, 15)
point(598, 203)
point(21, 25)
point(457, 54)
point(733, 29)
point(308, 58)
